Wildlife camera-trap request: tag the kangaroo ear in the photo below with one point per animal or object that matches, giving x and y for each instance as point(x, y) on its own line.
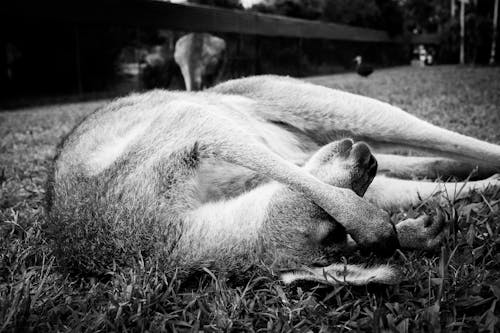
point(337, 274)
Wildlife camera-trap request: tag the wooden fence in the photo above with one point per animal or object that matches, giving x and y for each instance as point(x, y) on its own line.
point(185, 17)
point(262, 33)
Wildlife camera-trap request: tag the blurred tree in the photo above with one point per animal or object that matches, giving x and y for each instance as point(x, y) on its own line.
point(305, 9)
point(392, 16)
point(421, 15)
point(478, 35)
point(233, 4)
point(428, 16)
point(491, 61)
point(435, 16)
point(362, 13)
point(377, 14)
point(449, 47)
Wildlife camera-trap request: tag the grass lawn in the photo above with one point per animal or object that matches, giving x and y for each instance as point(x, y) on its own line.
point(454, 289)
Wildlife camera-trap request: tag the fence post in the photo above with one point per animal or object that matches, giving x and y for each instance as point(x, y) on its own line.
point(3, 67)
point(462, 31)
point(494, 37)
point(78, 61)
point(256, 62)
point(300, 47)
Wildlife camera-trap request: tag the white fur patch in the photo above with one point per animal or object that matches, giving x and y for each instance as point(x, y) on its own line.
point(108, 153)
point(227, 223)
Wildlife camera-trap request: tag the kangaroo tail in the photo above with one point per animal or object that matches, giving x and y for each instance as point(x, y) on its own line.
point(337, 274)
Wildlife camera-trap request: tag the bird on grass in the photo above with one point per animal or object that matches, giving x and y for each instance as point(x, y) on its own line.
point(362, 69)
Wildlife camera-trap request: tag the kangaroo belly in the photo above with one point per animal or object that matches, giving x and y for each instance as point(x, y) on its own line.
point(218, 180)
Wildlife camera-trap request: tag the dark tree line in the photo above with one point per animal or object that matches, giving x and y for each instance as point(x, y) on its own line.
point(396, 17)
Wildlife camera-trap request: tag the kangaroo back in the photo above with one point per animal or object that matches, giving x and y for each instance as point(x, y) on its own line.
point(325, 114)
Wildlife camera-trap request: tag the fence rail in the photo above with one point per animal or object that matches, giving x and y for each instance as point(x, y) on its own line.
point(160, 14)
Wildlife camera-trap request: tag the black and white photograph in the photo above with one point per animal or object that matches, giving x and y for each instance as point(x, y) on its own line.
point(200, 166)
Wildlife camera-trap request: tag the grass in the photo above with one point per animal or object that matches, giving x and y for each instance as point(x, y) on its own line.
point(454, 289)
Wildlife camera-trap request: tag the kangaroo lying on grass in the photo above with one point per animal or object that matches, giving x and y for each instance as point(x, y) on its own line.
point(250, 170)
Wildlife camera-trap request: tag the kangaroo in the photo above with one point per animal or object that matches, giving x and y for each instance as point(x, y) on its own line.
point(265, 168)
point(201, 58)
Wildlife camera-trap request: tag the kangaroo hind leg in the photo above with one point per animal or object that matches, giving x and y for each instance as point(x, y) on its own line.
point(326, 114)
point(409, 167)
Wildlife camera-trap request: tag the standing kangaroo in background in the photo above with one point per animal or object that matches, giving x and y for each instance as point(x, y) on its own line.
point(251, 170)
point(201, 58)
